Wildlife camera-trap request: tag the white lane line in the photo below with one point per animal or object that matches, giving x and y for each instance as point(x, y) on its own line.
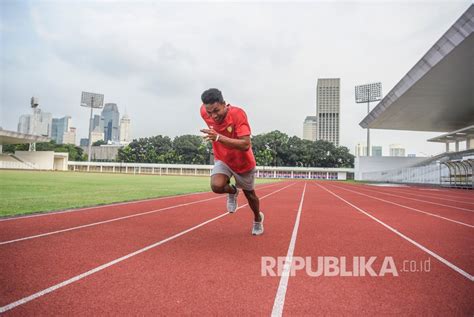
point(123, 258)
point(279, 303)
point(407, 207)
point(107, 221)
point(435, 255)
point(53, 213)
point(425, 201)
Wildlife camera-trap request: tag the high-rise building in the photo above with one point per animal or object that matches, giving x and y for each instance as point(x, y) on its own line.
point(39, 123)
point(84, 142)
point(96, 136)
point(309, 128)
point(111, 115)
point(125, 129)
point(328, 109)
point(24, 124)
point(97, 123)
point(59, 127)
point(396, 150)
point(69, 137)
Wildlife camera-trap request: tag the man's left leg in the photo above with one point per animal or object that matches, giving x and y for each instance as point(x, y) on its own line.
point(254, 203)
point(246, 181)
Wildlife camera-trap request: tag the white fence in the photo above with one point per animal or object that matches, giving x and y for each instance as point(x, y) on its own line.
point(205, 170)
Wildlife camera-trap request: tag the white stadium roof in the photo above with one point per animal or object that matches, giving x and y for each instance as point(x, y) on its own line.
point(11, 137)
point(437, 94)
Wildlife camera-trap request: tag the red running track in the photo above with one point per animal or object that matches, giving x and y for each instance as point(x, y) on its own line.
point(200, 260)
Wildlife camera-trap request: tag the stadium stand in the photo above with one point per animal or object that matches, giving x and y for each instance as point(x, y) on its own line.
point(436, 96)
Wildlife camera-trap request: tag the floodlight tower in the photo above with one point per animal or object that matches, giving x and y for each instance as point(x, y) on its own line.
point(368, 93)
point(91, 100)
point(34, 104)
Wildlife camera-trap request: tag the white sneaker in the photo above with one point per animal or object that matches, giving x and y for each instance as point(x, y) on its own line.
point(257, 228)
point(232, 201)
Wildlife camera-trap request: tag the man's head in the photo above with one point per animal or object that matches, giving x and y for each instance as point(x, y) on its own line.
point(215, 105)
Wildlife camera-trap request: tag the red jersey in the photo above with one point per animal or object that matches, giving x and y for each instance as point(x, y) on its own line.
point(234, 125)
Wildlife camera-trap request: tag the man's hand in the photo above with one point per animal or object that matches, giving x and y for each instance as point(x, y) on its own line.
point(211, 134)
point(243, 143)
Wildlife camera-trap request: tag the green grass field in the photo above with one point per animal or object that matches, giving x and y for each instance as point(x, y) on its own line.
point(23, 192)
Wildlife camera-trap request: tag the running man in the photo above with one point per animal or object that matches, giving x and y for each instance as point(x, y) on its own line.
point(230, 132)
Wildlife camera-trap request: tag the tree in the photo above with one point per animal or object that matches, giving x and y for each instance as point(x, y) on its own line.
point(99, 143)
point(146, 150)
point(274, 142)
point(190, 149)
point(75, 153)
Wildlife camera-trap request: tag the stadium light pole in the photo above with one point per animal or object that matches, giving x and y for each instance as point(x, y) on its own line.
point(91, 100)
point(367, 93)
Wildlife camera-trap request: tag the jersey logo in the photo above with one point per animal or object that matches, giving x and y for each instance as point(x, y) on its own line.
point(229, 129)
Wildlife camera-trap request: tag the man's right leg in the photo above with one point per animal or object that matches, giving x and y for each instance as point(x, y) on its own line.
point(220, 184)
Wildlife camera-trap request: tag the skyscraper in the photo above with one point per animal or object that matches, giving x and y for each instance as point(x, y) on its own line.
point(309, 128)
point(125, 129)
point(39, 123)
point(24, 124)
point(327, 109)
point(69, 137)
point(111, 116)
point(59, 127)
point(97, 123)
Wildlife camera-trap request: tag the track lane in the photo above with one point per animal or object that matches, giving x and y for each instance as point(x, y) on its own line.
point(455, 216)
point(189, 274)
point(34, 264)
point(24, 227)
point(330, 227)
point(452, 241)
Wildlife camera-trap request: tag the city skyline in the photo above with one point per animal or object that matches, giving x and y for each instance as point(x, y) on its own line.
point(270, 68)
point(44, 123)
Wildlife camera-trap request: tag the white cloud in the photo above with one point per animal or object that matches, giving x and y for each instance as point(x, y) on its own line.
point(156, 58)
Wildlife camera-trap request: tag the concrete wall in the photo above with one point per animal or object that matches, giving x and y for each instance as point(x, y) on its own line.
point(364, 164)
point(341, 176)
point(60, 161)
point(43, 160)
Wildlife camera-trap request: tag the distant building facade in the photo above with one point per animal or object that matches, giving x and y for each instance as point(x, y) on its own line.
point(310, 128)
point(59, 127)
point(97, 123)
point(38, 123)
point(110, 116)
point(69, 137)
point(125, 129)
point(328, 109)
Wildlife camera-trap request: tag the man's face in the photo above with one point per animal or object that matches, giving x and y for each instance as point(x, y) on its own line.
point(217, 111)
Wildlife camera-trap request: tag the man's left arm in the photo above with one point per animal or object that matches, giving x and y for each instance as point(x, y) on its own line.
point(243, 143)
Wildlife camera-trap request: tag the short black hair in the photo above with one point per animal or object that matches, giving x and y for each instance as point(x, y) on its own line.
point(211, 96)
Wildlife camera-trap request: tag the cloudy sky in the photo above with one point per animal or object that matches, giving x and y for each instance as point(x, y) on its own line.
point(155, 58)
